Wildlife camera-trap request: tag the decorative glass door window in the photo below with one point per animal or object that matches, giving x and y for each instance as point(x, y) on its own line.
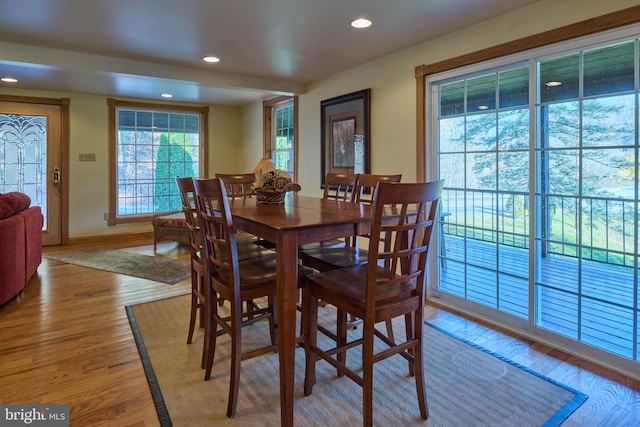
point(23, 154)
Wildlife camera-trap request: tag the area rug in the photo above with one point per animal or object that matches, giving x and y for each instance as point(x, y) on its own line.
point(156, 268)
point(466, 384)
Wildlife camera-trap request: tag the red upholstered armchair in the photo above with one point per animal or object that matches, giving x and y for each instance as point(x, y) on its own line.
point(20, 243)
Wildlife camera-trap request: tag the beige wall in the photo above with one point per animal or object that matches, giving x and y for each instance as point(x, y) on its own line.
point(393, 87)
point(252, 137)
point(236, 133)
point(88, 181)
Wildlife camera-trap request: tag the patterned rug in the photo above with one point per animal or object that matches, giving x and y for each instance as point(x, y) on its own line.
point(466, 384)
point(156, 268)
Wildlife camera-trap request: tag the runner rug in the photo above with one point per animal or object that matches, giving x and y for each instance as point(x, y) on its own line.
point(156, 268)
point(466, 384)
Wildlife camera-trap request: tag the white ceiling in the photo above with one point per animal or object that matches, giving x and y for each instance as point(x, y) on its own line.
point(142, 48)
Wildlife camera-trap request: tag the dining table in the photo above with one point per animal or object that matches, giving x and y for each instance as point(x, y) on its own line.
point(298, 220)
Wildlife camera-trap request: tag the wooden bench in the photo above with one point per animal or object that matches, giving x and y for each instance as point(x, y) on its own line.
point(170, 226)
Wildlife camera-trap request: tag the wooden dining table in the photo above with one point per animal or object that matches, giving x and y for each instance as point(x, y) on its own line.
point(299, 220)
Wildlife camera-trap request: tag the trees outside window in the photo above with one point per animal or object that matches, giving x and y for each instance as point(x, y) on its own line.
point(281, 134)
point(151, 145)
point(540, 162)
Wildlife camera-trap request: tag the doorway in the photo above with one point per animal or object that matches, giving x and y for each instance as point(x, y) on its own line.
point(33, 140)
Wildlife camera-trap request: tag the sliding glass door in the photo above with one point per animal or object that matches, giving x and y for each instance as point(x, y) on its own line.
point(586, 197)
point(484, 160)
point(540, 207)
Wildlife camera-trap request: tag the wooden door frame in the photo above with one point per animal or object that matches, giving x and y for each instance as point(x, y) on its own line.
point(63, 103)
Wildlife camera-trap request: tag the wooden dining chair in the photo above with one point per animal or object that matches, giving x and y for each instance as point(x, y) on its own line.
point(351, 253)
point(340, 187)
point(391, 284)
point(324, 259)
point(238, 185)
point(245, 251)
point(235, 280)
point(367, 183)
point(187, 195)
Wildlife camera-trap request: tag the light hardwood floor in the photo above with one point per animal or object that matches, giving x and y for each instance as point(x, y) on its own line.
point(66, 339)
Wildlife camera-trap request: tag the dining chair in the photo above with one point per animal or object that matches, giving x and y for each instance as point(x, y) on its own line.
point(187, 195)
point(367, 183)
point(238, 185)
point(340, 187)
point(235, 280)
point(245, 251)
point(324, 259)
point(391, 284)
point(351, 253)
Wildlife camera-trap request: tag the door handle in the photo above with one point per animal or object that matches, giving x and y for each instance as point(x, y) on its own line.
point(55, 176)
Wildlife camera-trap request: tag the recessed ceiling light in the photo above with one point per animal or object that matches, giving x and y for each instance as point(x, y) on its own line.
point(9, 80)
point(166, 95)
point(211, 59)
point(553, 84)
point(361, 23)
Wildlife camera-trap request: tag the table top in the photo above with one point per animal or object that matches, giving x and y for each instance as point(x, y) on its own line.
point(299, 212)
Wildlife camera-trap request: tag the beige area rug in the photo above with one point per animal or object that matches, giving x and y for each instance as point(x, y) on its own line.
point(466, 385)
point(156, 268)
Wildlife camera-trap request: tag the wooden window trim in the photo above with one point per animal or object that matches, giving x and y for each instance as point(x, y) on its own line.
point(267, 128)
point(113, 150)
point(587, 27)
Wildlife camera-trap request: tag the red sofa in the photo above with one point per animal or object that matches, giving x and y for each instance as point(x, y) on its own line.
point(20, 243)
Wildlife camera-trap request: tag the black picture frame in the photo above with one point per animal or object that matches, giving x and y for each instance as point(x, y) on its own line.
point(345, 135)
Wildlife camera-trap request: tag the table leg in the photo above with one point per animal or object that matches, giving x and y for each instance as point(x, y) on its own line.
point(287, 269)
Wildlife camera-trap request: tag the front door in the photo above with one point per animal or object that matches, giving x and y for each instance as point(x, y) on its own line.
point(31, 147)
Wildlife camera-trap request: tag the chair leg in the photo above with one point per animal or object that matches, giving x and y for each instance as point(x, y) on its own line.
point(236, 358)
point(273, 320)
point(390, 330)
point(341, 337)
point(210, 333)
point(195, 304)
point(409, 322)
point(201, 303)
point(310, 324)
point(192, 320)
point(418, 368)
point(367, 373)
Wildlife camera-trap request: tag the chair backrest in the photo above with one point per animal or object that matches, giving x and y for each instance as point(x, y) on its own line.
point(404, 216)
point(188, 197)
point(367, 183)
point(219, 239)
point(340, 186)
point(238, 185)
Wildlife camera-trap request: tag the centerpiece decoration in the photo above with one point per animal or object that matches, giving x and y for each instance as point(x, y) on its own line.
point(272, 184)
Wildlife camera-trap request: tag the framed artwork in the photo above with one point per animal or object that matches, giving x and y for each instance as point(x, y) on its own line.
point(345, 134)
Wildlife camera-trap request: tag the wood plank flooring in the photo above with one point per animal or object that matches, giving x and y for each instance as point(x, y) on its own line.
point(66, 339)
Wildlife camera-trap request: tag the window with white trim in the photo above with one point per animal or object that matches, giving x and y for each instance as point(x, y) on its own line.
point(151, 145)
point(539, 153)
point(281, 133)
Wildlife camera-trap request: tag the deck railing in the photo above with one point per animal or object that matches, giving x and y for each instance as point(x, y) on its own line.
point(593, 228)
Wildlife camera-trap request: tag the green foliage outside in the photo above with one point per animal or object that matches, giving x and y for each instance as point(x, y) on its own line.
point(173, 159)
point(573, 163)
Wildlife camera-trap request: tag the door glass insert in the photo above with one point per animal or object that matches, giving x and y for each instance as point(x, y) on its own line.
point(23, 153)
